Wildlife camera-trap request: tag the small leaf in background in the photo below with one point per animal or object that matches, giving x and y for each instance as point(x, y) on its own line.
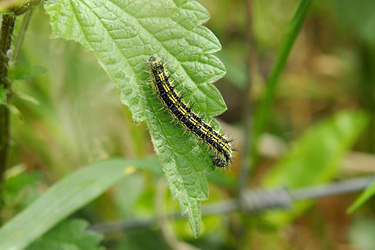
point(19, 191)
point(361, 234)
point(69, 235)
point(315, 157)
point(367, 194)
point(123, 36)
point(26, 97)
point(16, 112)
point(15, 184)
point(25, 72)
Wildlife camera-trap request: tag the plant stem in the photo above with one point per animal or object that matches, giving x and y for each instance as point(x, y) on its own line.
point(246, 163)
point(7, 28)
point(26, 7)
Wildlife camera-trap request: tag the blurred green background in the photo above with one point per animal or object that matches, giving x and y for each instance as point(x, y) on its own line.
point(67, 113)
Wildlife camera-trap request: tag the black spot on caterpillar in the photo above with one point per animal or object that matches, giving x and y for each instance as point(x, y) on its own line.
point(181, 112)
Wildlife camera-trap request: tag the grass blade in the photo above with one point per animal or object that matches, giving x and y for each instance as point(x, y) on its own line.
point(292, 32)
point(64, 198)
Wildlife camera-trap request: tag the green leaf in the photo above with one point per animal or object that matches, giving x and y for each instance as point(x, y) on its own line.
point(63, 198)
point(123, 35)
point(25, 72)
point(26, 97)
point(15, 184)
point(68, 235)
point(367, 194)
point(264, 111)
point(315, 157)
point(20, 190)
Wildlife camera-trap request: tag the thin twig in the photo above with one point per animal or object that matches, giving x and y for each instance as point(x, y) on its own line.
point(21, 36)
point(246, 163)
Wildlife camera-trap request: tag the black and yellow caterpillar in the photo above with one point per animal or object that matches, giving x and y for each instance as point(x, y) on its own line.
point(181, 112)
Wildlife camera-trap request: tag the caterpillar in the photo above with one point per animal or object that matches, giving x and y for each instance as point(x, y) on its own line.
point(183, 113)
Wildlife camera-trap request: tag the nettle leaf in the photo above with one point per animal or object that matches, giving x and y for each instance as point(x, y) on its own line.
point(69, 235)
point(15, 184)
point(123, 35)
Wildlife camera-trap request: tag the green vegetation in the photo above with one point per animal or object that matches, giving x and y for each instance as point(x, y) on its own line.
point(80, 123)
